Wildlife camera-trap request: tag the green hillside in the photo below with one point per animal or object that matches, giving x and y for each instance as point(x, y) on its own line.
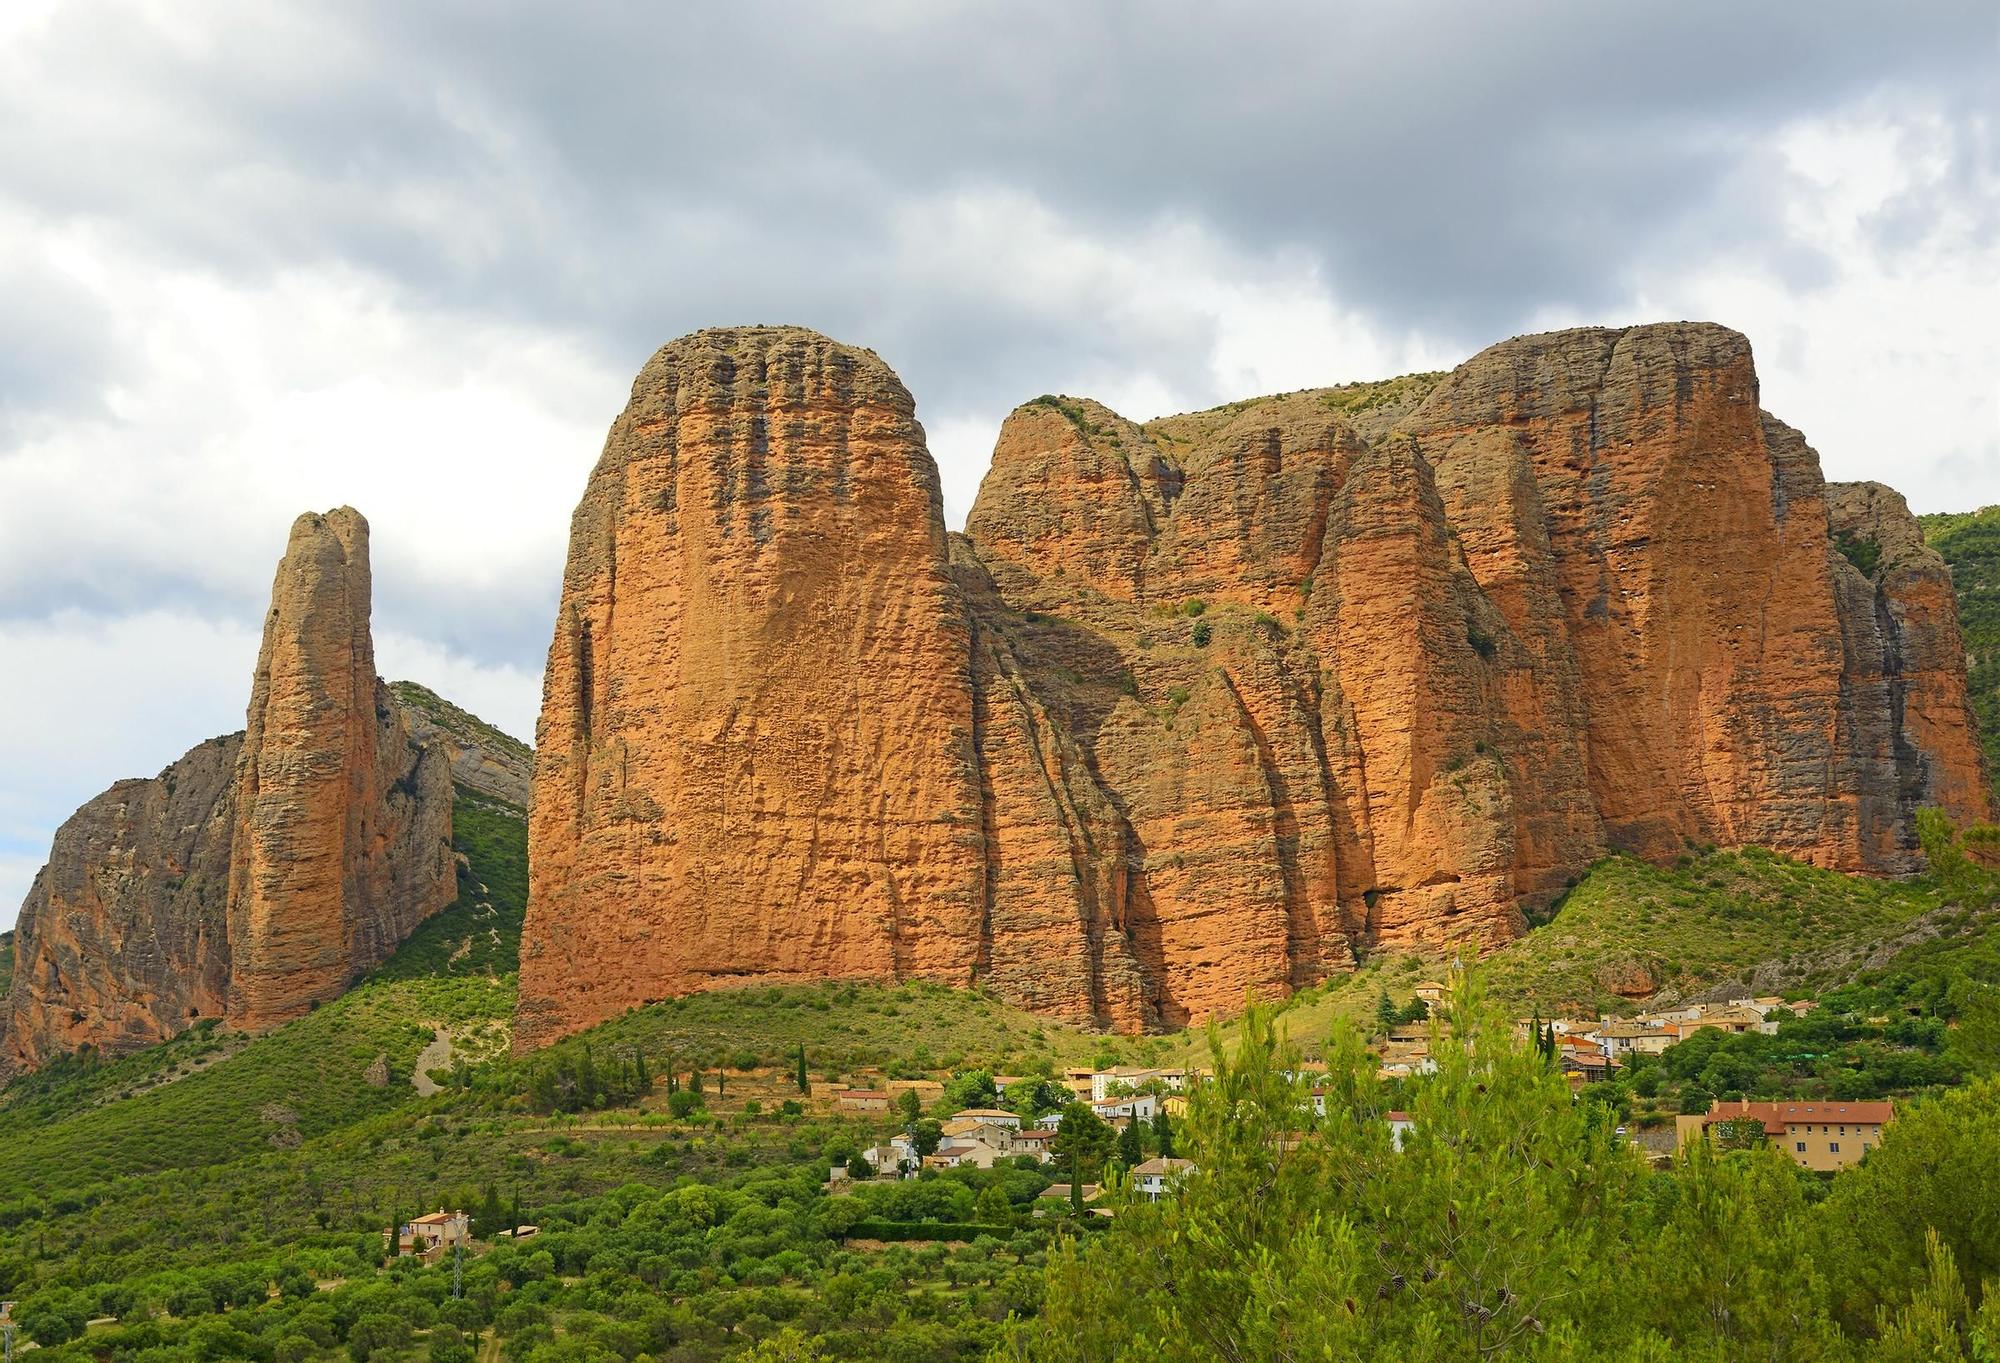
point(1970, 543)
point(479, 932)
point(1746, 919)
point(6, 962)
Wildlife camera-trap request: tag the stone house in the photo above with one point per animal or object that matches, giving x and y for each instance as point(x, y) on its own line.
point(430, 1237)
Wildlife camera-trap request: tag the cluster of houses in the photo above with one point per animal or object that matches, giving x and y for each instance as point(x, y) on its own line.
point(1589, 1049)
point(981, 1137)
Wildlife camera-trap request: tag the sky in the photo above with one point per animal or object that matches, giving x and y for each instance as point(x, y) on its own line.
point(259, 259)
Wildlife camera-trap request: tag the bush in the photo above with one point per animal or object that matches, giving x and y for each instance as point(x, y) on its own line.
point(1200, 634)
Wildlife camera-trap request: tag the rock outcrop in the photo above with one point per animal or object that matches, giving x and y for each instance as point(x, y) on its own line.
point(754, 760)
point(260, 874)
point(484, 761)
point(342, 842)
point(1211, 704)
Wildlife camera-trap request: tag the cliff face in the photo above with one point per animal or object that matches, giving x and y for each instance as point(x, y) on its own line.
point(483, 760)
point(755, 751)
point(120, 939)
point(1215, 703)
point(342, 842)
point(261, 873)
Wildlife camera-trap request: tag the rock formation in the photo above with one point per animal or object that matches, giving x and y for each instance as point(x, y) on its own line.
point(754, 759)
point(484, 761)
point(1211, 704)
point(260, 874)
point(342, 842)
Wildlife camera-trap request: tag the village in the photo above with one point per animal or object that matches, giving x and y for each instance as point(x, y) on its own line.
point(1017, 1119)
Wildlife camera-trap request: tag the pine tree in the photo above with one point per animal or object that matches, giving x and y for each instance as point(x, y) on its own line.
point(1129, 1151)
point(1386, 1014)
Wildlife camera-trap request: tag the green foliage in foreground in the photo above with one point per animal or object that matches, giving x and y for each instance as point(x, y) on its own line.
point(1970, 543)
point(1515, 1224)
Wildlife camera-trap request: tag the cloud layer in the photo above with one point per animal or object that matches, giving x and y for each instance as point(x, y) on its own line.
point(258, 259)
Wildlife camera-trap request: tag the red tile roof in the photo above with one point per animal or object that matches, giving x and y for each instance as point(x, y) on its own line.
point(1777, 1116)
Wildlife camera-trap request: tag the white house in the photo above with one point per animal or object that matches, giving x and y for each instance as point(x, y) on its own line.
point(992, 1115)
point(1123, 1111)
point(1400, 1126)
point(1156, 1177)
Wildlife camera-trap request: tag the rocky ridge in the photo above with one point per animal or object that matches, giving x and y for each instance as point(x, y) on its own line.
point(1204, 705)
point(262, 872)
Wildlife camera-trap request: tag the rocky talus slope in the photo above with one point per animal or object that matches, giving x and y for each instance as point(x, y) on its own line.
point(261, 873)
point(1209, 704)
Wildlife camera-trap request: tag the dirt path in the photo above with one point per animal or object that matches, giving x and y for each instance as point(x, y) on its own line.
point(436, 1056)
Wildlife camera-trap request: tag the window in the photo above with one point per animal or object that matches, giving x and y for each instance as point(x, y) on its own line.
point(1833, 1147)
point(1802, 1147)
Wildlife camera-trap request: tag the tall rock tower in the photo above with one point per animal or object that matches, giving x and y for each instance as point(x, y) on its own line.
point(343, 828)
point(755, 752)
point(261, 873)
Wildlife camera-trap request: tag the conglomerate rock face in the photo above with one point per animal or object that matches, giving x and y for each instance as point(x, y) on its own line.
point(1208, 705)
point(755, 755)
point(260, 874)
point(343, 826)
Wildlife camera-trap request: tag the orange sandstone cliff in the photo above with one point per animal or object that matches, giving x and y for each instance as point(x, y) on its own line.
point(1209, 704)
point(260, 874)
point(754, 759)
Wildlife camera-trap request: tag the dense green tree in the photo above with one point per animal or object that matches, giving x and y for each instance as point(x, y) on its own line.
point(1130, 1151)
point(1163, 1133)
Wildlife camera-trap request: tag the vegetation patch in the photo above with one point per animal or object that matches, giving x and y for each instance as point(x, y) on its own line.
point(1970, 543)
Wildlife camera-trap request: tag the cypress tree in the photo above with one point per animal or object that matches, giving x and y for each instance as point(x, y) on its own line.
point(804, 1086)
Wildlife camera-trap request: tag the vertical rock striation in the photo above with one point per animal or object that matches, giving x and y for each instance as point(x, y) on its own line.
point(1208, 705)
point(260, 874)
point(755, 755)
point(343, 826)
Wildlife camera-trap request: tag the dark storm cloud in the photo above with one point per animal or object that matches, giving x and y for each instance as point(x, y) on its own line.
point(635, 171)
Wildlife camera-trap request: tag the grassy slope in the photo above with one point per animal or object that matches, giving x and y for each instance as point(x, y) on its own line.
point(1721, 918)
point(478, 933)
point(6, 962)
point(468, 727)
point(1970, 543)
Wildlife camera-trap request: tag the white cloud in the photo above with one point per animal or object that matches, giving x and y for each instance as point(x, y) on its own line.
point(93, 700)
point(1886, 354)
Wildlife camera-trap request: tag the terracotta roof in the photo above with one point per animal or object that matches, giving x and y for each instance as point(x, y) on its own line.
point(1160, 1166)
point(973, 1114)
point(1781, 1115)
point(1396, 1116)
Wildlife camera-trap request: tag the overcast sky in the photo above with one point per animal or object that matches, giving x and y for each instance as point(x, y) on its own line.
point(257, 259)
